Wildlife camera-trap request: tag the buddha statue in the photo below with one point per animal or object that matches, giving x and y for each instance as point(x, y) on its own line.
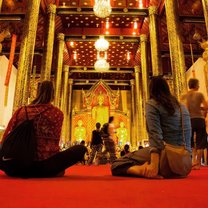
point(80, 131)
point(100, 113)
point(121, 133)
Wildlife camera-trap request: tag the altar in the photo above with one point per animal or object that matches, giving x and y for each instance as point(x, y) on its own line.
point(97, 105)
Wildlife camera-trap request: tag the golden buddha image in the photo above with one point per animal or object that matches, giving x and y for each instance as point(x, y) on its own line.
point(121, 133)
point(80, 131)
point(100, 113)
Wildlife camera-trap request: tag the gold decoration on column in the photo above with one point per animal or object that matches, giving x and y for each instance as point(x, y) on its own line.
point(205, 8)
point(48, 50)
point(176, 48)
point(154, 41)
point(64, 103)
point(145, 81)
point(33, 84)
point(144, 65)
point(70, 108)
point(1, 1)
point(60, 38)
point(138, 123)
point(133, 138)
point(141, 113)
point(26, 54)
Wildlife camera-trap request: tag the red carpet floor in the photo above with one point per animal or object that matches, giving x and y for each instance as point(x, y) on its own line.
point(94, 187)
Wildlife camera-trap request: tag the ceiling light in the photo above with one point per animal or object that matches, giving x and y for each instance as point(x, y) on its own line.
point(101, 44)
point(102, 8)
point(101, 65)
point(128, 56)
point(75, 56)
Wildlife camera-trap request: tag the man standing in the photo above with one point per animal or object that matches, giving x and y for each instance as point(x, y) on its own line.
point(96, 144)
point(196, 105)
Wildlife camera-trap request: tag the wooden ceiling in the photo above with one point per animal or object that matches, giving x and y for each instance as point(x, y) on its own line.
point(75, 18)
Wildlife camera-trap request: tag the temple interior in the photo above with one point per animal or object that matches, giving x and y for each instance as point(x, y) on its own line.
point(100, 55)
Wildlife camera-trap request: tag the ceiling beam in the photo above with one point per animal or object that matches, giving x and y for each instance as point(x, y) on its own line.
point(65, 10)
point(17, 51)
point(192, 19)
point(109, 82)
point(87, 38)
point(11, 17)
point(95, 71)
point(97, 31)
point(186, 54)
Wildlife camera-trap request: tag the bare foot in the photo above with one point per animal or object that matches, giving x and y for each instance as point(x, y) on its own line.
point(138, 170)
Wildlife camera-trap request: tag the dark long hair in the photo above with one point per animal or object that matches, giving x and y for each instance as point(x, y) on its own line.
point(160, 92)
point(45, 93)
point(111, 118)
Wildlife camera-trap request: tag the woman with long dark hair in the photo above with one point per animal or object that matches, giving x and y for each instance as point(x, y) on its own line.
point(49, 161)
point(163, 119)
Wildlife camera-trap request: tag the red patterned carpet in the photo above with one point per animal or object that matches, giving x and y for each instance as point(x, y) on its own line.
point(93, 186)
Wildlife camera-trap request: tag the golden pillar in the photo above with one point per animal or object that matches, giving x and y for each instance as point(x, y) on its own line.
point(1, 1)
point(138, 110)
point(176, 48)
point(144, 65)
point(70, 108)
point(145, 81)
point(154, 41)
point(64, 103)
point(59, 69)
point(133, 138)
point(48, 50)
point(205, 8)
point(33, 84)
point(26, 54)
point(143, 132)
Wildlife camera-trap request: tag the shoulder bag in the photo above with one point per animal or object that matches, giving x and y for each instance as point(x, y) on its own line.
point(175, 161)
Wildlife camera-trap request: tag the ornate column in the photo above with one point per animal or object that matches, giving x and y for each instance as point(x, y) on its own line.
point(49, 42)
point(133, 140)
point(1, 1)
point(70, 109)
point(143, 133)
point(144, 64)
point(145, 82)
point(59, 69)
point(26, 54)
point(64, 103)
point(176, 48)
point(205, 9)
point(154, 41)
point(138, 123)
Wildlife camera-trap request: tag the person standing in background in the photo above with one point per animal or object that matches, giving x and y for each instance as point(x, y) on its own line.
point(196, 105)
point(96, 144)
point(109, 141)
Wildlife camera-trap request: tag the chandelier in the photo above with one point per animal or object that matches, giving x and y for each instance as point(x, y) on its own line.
point(101, 65)
point(101, 44)
point(102, 8)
